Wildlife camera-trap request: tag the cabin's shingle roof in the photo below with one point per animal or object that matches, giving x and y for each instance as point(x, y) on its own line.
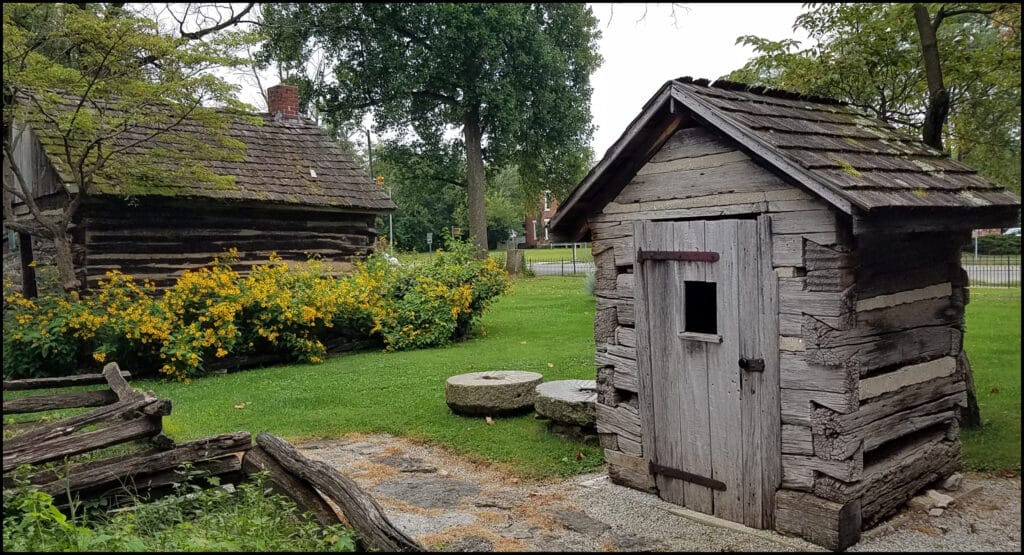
point(276, 167)
point(867, 162)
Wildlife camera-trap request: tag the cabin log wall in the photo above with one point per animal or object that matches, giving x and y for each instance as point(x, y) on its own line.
point(158, 240)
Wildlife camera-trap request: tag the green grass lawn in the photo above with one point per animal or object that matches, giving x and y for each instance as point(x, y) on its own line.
point(993, 347)
point(545, 325)
point(544, 254)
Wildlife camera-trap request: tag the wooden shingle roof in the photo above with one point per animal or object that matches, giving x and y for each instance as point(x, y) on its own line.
point(287, 161)
point(858, 164)
point(278, 158)
point(865, 161)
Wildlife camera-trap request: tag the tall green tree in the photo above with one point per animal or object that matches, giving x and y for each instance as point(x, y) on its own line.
point(427, 183)
point(428, 186)
point(513, 79)
point(95, 81)
point(942, 71)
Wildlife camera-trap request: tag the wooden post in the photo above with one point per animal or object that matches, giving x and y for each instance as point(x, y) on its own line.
point(514, 260)
point(28, 272)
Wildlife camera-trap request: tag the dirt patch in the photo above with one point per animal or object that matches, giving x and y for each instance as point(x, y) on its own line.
point(449, 503)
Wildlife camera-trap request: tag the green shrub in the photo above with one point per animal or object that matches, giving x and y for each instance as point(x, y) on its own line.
point(192, 519)
point(213, 312)
point(589, 281)
point(44, 336)
point(998, 244)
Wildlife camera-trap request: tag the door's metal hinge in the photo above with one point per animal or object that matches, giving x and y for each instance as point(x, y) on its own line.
point(685, 256)
point(752, 364)
point(655, 468)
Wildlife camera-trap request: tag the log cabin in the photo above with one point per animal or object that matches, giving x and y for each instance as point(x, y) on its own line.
point(295, 193)
point(779, 306)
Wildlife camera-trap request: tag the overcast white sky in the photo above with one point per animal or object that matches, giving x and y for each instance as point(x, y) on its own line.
point(639, 56)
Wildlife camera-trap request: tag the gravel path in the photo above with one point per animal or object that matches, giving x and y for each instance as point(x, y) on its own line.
point(448, 503)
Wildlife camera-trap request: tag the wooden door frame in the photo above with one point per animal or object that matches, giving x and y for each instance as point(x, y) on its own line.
point(767, 393)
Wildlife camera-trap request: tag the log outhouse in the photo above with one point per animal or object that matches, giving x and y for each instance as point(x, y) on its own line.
point(780, 302)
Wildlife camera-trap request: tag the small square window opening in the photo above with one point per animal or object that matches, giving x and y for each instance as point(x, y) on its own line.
point(701, 307)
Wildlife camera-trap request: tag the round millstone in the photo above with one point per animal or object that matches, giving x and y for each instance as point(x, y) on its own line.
point(568, 401)
point(491, 393)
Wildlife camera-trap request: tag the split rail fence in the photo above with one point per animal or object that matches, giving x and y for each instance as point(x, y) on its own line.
point(146, 460)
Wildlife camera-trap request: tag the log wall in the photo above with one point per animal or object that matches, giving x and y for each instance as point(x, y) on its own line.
point(158, 239)
point(903, 351)
point(870, 336)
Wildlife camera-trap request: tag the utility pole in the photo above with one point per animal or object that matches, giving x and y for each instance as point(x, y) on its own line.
point(391, 228)
point(369, 152)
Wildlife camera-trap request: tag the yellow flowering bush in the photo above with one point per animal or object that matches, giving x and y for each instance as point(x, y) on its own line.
point(47, 336)
point(213, 312)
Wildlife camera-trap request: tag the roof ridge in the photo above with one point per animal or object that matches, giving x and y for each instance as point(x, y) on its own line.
point(727, 85)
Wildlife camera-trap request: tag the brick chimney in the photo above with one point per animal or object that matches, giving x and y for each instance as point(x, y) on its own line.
point(283, 99)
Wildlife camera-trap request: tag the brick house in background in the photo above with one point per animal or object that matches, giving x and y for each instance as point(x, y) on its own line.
point(537, 226)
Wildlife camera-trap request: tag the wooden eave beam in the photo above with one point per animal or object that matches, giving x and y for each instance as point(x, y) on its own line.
point(909, 220)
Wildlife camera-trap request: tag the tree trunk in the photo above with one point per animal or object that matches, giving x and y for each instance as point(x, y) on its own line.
point(28, 270)
point(65, 262)
point(938, 97)
point(476, 183)
point(514, 261)
point(931, 133)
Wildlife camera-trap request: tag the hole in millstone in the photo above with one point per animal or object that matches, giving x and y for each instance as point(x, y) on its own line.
point(492, 377)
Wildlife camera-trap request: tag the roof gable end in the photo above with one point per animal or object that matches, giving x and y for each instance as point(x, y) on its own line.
point(859, 165)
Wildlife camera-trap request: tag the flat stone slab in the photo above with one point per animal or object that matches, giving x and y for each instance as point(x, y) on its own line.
point(405, 464)
point(492, 393)
point(568, 401)
point(578, 521)
point(430, 493)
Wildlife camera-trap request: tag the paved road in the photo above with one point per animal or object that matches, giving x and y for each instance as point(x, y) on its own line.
point(1003, 274)
point(566, 268)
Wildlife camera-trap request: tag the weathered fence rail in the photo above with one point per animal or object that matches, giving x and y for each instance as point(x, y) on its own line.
point(124, 415)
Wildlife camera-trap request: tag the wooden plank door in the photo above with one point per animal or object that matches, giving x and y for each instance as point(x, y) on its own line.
point(708, 373)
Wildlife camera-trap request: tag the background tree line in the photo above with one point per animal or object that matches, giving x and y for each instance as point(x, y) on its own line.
point(948, 72)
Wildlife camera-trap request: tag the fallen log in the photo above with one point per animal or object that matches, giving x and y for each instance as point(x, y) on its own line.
point(305, 496)
point(366, 517)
